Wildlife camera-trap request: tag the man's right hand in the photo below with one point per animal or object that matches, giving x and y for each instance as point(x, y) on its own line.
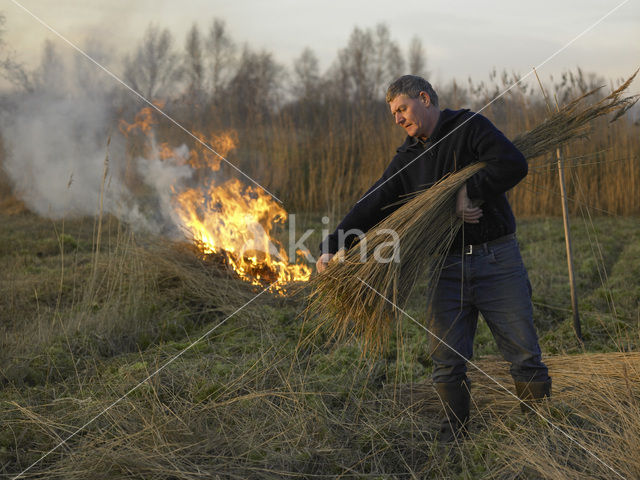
point(323, 261)
point(466, 209)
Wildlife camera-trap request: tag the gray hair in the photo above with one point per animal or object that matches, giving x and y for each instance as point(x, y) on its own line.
point(411, 86)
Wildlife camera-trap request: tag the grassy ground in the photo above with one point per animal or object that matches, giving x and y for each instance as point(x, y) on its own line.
point(258, 399)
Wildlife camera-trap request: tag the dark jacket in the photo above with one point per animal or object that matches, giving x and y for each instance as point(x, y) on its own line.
point(459, 138)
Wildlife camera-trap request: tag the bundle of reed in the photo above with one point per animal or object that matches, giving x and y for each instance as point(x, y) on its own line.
point(573, 121)
point(359, 296)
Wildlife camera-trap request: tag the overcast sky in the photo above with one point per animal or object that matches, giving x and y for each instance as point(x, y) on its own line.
point(462, 39)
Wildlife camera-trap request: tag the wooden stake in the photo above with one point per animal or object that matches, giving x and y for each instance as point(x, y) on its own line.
point(565, 218)
point(567, 236)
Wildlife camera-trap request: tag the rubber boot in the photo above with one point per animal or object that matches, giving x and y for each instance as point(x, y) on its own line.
point(532, 393)
point(456, 399)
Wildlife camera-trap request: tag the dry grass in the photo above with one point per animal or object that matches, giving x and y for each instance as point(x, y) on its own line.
point(252, 401)
point(595, 402)
point(135, 292)
point(272, 421)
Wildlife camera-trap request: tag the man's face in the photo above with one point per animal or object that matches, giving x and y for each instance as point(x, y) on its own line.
point(412, 114)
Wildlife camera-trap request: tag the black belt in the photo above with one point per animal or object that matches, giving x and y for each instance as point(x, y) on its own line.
point(483, 247)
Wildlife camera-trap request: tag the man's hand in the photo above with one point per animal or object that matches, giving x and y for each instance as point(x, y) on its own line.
point(465, 209)
point(323, 261)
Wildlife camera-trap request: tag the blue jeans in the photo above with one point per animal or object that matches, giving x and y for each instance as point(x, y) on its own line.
point(491, 280)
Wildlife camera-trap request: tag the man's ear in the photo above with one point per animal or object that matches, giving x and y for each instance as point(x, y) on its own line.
point(425, 98)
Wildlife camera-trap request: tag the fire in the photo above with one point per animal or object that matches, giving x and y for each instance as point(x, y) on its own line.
point(229, 218)
point(237, 219)
point(143, 121)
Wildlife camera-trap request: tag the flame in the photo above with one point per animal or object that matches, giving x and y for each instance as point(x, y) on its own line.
point(238, 219)
point(222, 143)
point(230, 218)
point(143, 121)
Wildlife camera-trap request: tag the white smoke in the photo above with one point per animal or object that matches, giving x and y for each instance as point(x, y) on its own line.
point(56, 152)
point(162, 176)
point(56, 143)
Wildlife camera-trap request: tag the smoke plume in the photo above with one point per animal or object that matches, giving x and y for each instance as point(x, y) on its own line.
point(56, 137)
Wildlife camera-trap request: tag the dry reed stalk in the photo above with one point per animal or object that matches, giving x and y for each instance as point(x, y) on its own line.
point(360, 297)
point(572, 121)
point(98, 237)
point(595, 405)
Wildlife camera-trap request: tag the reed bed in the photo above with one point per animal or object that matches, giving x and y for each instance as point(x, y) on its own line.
point(361, 297)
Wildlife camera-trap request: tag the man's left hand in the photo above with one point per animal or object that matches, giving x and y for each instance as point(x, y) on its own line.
point(465, 208)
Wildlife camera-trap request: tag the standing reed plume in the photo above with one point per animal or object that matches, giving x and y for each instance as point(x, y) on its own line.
point(362, 298)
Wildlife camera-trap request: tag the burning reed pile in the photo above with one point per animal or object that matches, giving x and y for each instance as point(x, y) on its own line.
point(362, 299)
point(228, 222)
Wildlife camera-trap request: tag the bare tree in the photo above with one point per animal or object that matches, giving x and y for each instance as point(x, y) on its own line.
point(51, 74)
point(153, 70)
point(417, 58)
point(306, 75)
point(256, 88)
point(194, 64)
point(354, 65)
point(11, 69)
point(369, 62)
point(389, 62)
point(87, 77)
point(222, 54)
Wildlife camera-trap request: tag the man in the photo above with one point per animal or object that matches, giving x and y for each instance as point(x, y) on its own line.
point(483, 272)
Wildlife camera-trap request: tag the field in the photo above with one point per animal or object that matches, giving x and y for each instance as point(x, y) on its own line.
point(88, 313)
point(127, 354)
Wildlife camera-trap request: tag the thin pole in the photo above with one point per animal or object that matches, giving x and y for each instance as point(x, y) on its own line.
point(567, 237)
point(565, 218)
